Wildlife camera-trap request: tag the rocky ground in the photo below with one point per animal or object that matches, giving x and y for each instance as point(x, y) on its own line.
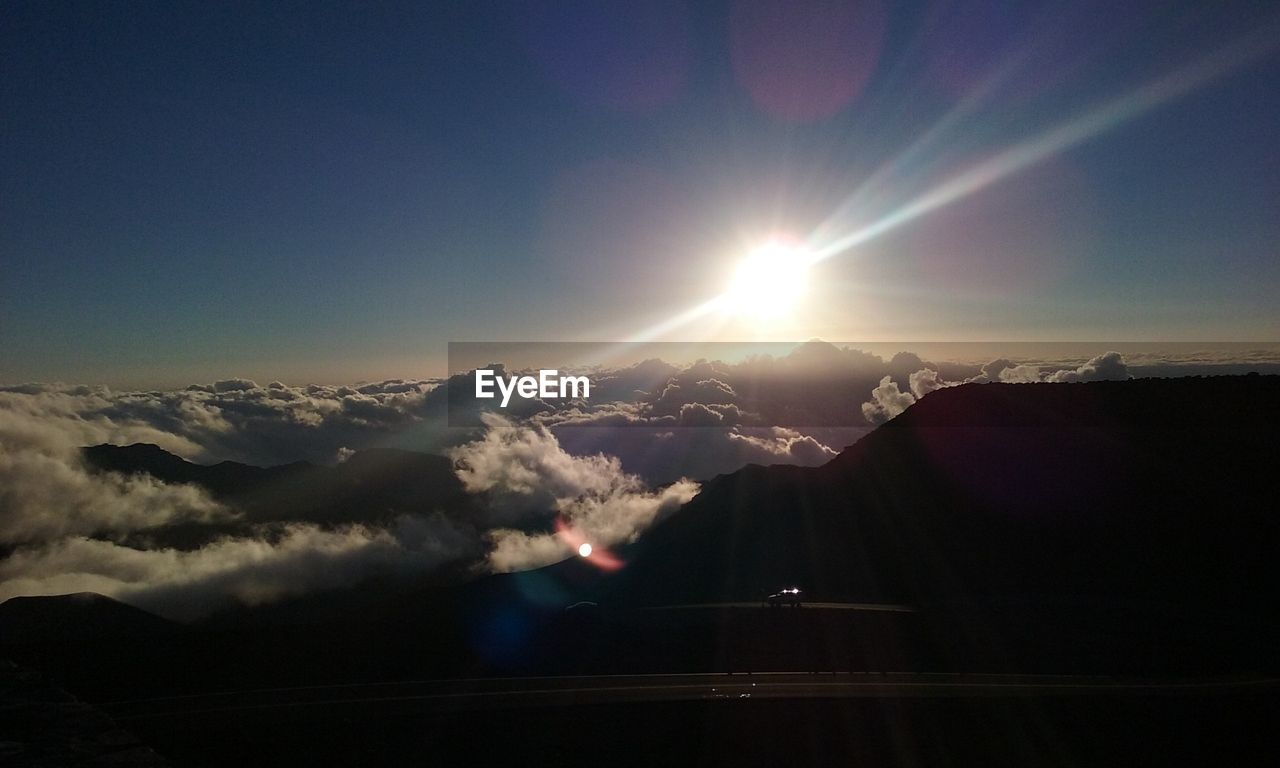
point(43, 725)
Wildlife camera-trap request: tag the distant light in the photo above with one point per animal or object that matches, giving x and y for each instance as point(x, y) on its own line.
point(584, 549)
point(770, 281)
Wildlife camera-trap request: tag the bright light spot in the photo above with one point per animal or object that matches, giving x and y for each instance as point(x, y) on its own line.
point(584, 549)
point(769, 282)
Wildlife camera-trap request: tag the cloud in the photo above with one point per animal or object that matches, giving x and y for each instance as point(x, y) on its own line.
point(607, 469)
point(992, 370)
point(233, 419)
point(526, 473)
point(64, 526)
point(811, 386)
point(707, 391)
point(1109, 366)
point(886, 402)
point(699, 415)
point(528, 460)
point(621, 516)
point(186, 585)
point(665, 452)
point(519, 551)
point(928, 380)
point(234, 385)
point(1020, 374)
point(46, 492)
point(783, 445)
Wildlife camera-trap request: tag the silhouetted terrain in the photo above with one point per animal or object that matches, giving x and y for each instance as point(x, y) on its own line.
point(1117, 520)
point(1154, 489)
point(78, 618)
point(1122, 528)
point(45, 726)
point(372, 486)
point(1068, 524)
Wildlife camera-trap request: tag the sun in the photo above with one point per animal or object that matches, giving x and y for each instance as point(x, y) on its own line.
point(584, 550)
point(770, 281)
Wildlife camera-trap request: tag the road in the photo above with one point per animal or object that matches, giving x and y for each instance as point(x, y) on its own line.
point(870, 607)
point(484, 693)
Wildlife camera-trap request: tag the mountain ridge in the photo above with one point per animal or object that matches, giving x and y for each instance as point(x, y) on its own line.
point(372, 486)
point(979, 486)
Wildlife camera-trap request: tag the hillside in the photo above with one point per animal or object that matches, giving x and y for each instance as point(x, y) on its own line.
point(1104, 527)
point(372, 486)
point(1160, 490)
point(76, 618)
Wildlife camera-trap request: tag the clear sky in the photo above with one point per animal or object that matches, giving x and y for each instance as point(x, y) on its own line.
point(332, 192)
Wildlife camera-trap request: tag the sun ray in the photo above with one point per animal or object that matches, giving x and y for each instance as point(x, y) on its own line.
point(1064, 136)
point(1109, 115)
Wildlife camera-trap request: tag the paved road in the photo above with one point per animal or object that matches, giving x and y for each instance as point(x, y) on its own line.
point(556, 691)
point(872, 607)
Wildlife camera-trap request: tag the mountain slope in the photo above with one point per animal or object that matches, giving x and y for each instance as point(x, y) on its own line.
point(75, 618)
point(1155, 490)
point(371, 486)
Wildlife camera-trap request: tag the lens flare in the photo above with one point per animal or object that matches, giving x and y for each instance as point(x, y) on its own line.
point(1064, 136)
point(576, 541)
point(763, 290)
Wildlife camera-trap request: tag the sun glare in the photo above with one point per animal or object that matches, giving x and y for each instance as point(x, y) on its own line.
point(769, 282)
point(584, 549)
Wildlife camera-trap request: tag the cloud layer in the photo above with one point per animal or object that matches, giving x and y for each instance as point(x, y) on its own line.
point(529, 475)
point(887, 400)
point(46, 493)
point(600, 471)
point(249, 570)
point(67, 528)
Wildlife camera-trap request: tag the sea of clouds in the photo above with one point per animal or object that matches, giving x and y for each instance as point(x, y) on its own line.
point(607, 468)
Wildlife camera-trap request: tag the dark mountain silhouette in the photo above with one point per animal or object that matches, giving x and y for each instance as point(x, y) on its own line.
point(1153, 490)
point(225, 479)
point(78, 618)
point(1119, 527)
point(372, 486)
point(45, 725)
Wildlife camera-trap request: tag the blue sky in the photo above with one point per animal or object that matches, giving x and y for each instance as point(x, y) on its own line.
point(190, 191)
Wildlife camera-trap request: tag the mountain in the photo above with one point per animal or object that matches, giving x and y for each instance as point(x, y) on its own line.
point(1099, 527)
point(75, 618)
point(45, 725)
point(1158, 490)
point(225, 479)
point(372, 486)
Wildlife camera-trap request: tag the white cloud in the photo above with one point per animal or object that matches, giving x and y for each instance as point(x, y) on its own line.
point(526, 470)
point(529, 460)
point(230, 419)
point(46, 492)
point(1109, 366)
point(189, 584)
point(65, 523)
point(519, 551)
point(927, 380)
point(783, 445)
point(52, 508)
point(886, 402)
point(1020, 374)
